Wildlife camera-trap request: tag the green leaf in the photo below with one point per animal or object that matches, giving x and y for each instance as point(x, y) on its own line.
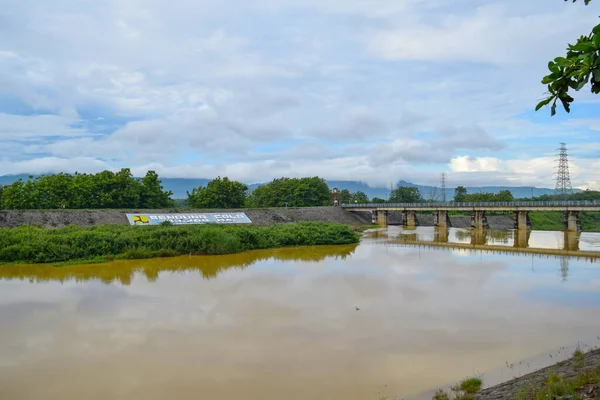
point(566, 105)
point(553, 67)
point(547, 80)
point(543, 103)
point(596, 39)
point(585, 47)
point(553, 109)
point(562, 62)
point(596, 30)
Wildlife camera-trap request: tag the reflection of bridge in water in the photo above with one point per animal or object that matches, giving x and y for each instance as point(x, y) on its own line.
point(478, 241)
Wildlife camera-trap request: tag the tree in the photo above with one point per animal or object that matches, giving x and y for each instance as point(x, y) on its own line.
point(406, 194)
point(359, 197)
point(152, 193)
point(377, 200)
point(580, 66)
point(293, 192)
point(218, 193)
point(503, 196)
point(344, 197)
point(460, 193)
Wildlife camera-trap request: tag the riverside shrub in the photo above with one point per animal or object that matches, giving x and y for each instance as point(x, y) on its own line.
point(29, 244)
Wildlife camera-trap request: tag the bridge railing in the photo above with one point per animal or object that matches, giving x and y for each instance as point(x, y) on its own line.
point(556, 203)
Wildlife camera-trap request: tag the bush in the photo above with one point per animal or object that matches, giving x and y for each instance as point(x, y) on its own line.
point(40, 245)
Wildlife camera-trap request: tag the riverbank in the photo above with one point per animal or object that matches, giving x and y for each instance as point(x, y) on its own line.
point(575, 378)
point(29, 244)
point(258, 216)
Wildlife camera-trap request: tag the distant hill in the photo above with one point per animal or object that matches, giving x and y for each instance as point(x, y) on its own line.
point(180, 187)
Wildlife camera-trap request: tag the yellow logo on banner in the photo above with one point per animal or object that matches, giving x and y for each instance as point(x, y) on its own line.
point(140, 219)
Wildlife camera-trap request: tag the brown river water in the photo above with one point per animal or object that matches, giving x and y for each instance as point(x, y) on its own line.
point(396, 316)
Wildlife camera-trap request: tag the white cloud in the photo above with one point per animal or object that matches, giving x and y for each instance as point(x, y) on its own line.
point(376, 91)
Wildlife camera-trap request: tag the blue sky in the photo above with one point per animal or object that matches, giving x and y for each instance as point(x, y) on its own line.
point(377, 90)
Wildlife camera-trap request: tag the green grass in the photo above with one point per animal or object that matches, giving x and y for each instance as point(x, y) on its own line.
point(585, 384)
point(29, 244)
point(471, 385)
point(578, 359)
point(554, 221)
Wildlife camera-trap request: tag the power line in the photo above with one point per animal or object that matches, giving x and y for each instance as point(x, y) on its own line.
point(563, 180)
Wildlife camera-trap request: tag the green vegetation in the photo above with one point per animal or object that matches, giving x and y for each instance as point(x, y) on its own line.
point(102, 190)
point(554, 221)
point(580, 66)
point(465, 390)
point(219, 193)
point(471, 385)
point(28, 244)
point(461, 196)
point(585, 384)
point(406, 194)
point(292, 192)
point(578, 359)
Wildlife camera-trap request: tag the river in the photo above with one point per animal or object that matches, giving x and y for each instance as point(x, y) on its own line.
point(400, 314)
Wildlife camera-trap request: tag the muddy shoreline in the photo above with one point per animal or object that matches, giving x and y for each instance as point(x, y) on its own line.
point(261, 217)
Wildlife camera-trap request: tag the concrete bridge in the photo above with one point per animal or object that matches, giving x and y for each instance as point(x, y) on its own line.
point(521, 209)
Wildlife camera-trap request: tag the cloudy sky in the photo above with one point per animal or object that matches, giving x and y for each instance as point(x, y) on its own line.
point(371, 90)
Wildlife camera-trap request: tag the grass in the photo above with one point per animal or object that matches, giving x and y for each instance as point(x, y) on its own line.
point(28, 244)
point(471, 385)
point(464, 390)
point(554, 221)
point(584, 384)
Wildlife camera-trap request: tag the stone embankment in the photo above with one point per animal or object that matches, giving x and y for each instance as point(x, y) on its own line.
point(565, 369)
point(266, 216)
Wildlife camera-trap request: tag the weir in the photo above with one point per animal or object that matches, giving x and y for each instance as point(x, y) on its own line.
point(478, 211)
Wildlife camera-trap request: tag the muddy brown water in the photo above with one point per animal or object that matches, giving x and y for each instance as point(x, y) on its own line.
point(284, 324)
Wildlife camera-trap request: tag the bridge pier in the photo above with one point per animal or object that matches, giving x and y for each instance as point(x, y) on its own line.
point(441, 219)
point(522, 220)
point(572, 222)
point(478, 236)
point(571, 241)
point(409, 218)
point(382, 218)
point(374, 215)
point(521, 238)
point(441, 234)
point(479, 220)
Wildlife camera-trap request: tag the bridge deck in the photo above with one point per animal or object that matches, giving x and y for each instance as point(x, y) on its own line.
point(591, 205)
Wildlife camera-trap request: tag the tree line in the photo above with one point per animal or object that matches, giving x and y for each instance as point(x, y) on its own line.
point(280, 192)
point(105, 189)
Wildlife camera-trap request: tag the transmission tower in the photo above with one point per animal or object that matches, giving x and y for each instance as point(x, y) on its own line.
point(563, 180)
point(443, 187)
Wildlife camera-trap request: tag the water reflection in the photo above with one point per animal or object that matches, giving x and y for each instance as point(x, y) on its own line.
point(208, 266)
point(507, 241)
point(342, 322)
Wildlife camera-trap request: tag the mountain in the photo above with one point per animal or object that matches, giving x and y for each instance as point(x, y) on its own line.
point(180, 187)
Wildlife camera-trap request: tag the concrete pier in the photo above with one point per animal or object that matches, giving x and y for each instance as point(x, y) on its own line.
point(521, 238)
point(479, 220)
point(382, 218)
point(441, 234)
point(572, 222)
point(478, 236)
point(441, 219)
point(571, 241)
point(409, 218)
point(522, 221)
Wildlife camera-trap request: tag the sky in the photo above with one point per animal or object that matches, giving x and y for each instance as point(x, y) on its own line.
point(369, 90)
